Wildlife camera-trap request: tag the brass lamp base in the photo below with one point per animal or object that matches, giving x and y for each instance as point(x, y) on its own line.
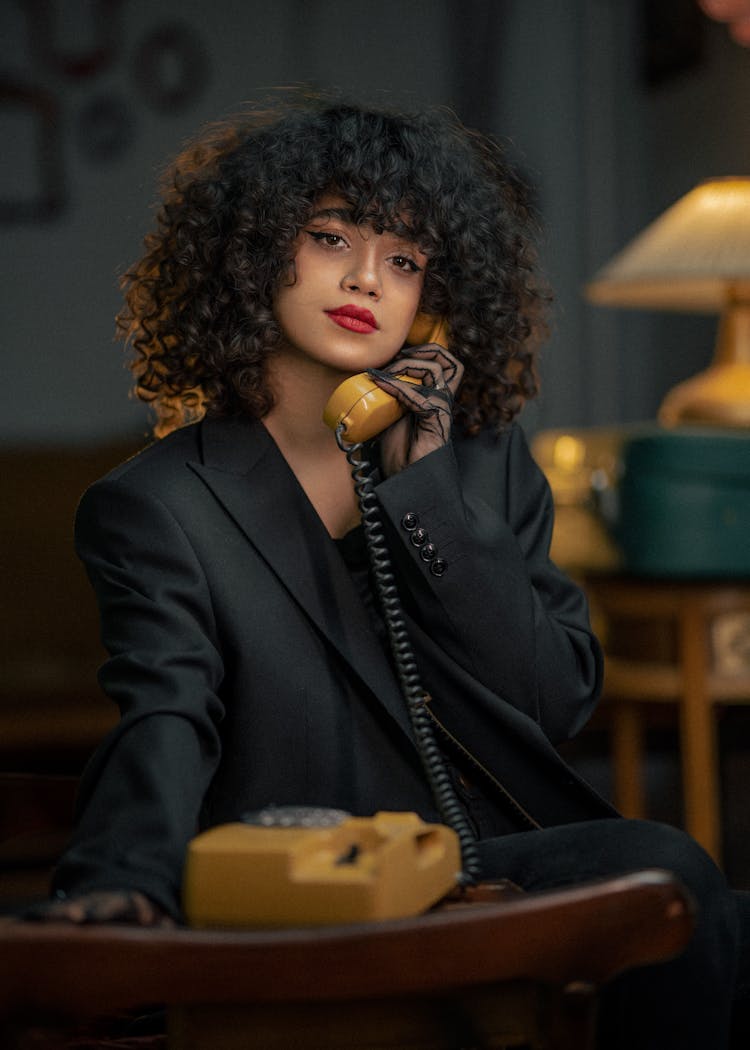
point(720, 396)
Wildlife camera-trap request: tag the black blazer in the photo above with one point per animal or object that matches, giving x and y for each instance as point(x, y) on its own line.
point(247, 670)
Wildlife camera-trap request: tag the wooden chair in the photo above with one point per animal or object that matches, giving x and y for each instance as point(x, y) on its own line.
point(673, 642)
point(522, 971)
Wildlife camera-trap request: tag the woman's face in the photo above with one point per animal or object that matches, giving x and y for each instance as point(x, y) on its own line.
point(355, 292)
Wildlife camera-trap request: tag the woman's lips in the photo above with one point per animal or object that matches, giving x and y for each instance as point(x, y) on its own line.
point(354, 319)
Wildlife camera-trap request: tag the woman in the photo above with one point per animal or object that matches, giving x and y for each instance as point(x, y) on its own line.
point(248, 652)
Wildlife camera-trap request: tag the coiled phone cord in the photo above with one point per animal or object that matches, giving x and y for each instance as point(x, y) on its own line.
point(406, 665)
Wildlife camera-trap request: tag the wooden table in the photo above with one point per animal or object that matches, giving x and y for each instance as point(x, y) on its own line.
point(670, 641)
point(520, 971)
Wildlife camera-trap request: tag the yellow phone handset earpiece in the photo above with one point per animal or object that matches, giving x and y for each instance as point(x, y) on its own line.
point(426, 328)
point(361, 407)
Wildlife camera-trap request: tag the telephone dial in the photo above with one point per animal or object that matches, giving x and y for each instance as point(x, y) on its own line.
point(361, 407)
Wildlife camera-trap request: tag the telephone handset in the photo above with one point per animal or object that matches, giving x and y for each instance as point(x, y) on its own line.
point(361, 407)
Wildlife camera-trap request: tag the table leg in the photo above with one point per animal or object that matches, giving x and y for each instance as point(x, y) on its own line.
point(698, 733)
point(627, 755)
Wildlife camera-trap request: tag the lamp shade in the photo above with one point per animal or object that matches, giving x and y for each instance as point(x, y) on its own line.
point(694, 257)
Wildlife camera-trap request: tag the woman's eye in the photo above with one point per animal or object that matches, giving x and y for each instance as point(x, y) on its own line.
point(331, 240)
point(403, 262)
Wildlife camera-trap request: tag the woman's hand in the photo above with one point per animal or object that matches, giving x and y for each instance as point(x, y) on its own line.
point(426, 424)
point(125, 906)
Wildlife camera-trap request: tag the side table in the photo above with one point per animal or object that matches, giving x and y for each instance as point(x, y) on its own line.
point(683, 641)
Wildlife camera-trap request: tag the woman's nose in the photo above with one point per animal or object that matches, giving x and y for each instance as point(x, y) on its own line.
point(363, 277)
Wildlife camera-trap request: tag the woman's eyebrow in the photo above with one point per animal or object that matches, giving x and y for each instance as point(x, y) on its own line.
point(342, 214)
point(403, 234)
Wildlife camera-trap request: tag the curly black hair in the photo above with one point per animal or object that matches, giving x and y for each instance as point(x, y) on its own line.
point(198, 311)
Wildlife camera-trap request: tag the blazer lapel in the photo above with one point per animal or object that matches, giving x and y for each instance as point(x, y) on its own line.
point(247, 473)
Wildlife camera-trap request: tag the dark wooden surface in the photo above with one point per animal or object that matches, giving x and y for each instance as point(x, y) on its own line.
point(583, 934)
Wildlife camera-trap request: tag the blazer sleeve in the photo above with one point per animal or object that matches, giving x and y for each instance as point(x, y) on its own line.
point(490, 597)
point(141, 793)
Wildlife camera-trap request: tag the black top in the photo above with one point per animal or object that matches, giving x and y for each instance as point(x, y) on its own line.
point(353, 549)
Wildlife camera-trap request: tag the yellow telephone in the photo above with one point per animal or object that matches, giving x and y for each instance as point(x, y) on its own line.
point(306, 866)
point(361, 406)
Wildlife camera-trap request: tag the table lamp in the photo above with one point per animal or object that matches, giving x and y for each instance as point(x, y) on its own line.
point(695, 257)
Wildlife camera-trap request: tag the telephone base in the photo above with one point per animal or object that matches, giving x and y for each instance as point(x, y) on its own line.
point(387, 866)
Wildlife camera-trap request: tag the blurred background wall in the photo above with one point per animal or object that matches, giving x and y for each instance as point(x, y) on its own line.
point(613, 109)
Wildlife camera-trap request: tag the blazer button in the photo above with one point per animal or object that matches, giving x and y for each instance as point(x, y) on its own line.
point(410, 521)
point(438, 566)
point(428, 552)
point(419, 537)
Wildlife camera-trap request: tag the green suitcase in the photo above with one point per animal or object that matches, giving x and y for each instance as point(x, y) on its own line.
point(685, 503)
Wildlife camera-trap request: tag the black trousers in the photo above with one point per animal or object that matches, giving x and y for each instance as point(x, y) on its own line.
point(683, 1004)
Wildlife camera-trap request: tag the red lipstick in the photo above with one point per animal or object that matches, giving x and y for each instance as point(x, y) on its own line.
point(353, 318)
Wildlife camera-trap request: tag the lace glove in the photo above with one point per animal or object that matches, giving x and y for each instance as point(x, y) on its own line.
point(122, 906)
point(426, 425)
